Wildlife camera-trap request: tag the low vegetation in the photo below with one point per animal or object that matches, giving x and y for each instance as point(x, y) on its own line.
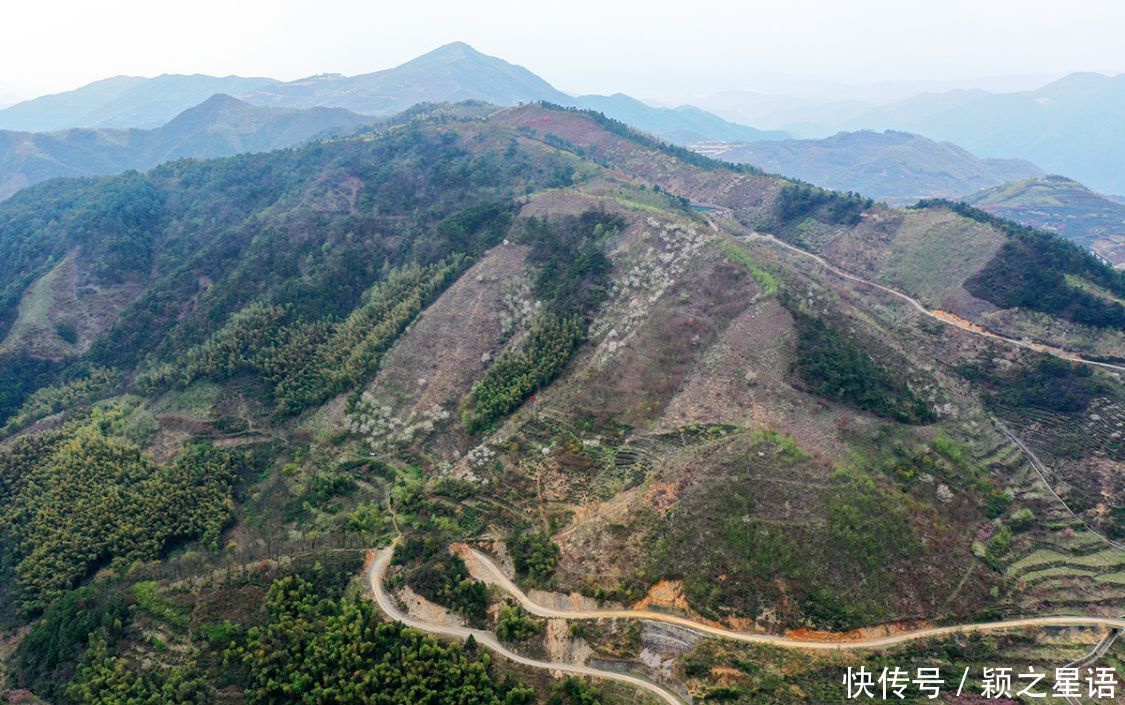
point(314, 649)
point(1042, 382)
point(85, 385)
point(734, 559)
point(683, 154)
point(20, 377)
point(515, 625)
point(48, 656)
point(535, 556)
point(184, 508)
point(441, 577)
point(764, 279)
point(304, 363)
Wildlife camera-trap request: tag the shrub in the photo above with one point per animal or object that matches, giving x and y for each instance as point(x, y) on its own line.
point(571, 691)
point(1021, 519)
point(514, 624)
point(67, 331)
point(535, 555)
point(441, 577)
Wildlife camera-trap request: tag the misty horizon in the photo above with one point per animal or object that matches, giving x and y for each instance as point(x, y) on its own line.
point(668, 55)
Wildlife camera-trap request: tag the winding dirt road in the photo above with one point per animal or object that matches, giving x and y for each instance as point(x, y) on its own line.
point(1036, 464)
point(1041, 471)
point(378, 571)
point(483, 568)
point(918, 306)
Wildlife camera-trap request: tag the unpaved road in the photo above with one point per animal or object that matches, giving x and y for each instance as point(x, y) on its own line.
point(917, 305)
point(378, 570)
point(1094, 655)
point(483, 568)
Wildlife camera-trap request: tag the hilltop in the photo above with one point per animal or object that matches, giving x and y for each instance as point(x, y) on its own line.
point(450, 73)
point(634, 375)
point(895, 167)
point(1064, 206)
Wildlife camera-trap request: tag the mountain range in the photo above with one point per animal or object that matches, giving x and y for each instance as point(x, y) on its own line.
point(451, 73)
point(1071, 126)
point(105, 124)
point(122, 102)
point(219, 126)
point(135, 123)
point(891, 166)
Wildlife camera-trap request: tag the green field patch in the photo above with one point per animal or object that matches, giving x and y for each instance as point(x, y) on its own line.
point(149, 601)
point(739, 256)
point(1056, 572)
point(1110, 558)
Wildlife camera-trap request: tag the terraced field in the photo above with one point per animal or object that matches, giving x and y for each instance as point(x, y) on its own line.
point(1100, 430)
point(1060, 567)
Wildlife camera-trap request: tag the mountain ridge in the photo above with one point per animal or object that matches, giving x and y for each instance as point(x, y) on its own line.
point(1068, 126)
point(451, 73)
point(219, 126)
point(121, 102)
point(643, 376)
point(892, 166)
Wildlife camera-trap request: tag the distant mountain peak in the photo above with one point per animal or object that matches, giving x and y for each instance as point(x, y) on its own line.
point(122, 102)
point(457, 47)
point(219, 99)
point(452, 73)
point(215, 106)
point(454, 52)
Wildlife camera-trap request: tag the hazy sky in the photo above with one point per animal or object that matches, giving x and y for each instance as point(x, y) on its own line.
point(651, 49)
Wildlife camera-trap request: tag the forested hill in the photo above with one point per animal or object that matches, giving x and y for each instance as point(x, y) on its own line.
point(541, 332)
